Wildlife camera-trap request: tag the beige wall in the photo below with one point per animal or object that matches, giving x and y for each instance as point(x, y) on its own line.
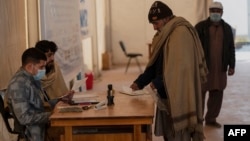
point(32, 22)
point(129, 23)
point(123, 20)
point(18, 31)
point(12, 38)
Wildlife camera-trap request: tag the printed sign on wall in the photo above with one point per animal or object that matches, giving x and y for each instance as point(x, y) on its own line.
point(60, 23)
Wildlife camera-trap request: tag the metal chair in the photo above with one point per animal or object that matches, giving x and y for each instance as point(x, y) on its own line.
point(18, 128)
point(6, 116)
point(130, 56)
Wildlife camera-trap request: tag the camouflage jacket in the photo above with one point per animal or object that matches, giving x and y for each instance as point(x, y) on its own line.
point(24, 99)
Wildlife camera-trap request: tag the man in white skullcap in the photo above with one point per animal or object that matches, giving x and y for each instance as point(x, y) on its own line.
point(218, 43)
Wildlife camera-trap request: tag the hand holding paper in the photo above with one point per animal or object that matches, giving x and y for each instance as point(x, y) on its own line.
point(130, 91)
point(67, 97)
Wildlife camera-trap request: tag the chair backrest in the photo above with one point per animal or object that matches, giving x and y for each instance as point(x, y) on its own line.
point(123, 47)
point(17, 126)
point(6, 115)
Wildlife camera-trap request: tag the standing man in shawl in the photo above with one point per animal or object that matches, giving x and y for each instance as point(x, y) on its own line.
point(175, 71)
point(218, 43)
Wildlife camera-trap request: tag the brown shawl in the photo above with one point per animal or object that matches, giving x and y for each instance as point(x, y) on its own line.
point(184, 70)
point(54, 84)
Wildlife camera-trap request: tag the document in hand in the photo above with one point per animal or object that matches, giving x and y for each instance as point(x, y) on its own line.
point(127, 90)
point(76, 84)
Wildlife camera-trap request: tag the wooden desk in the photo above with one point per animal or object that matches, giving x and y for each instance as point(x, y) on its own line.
point(128, 110)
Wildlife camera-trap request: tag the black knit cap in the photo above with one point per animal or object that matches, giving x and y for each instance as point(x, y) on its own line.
point(158, 11)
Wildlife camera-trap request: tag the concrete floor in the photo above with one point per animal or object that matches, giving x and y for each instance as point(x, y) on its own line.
point(235, 108)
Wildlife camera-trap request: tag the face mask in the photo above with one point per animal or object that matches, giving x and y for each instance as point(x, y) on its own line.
point(215, 17)
point(40, 74)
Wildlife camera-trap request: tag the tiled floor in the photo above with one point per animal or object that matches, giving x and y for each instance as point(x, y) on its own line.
point(235, 108)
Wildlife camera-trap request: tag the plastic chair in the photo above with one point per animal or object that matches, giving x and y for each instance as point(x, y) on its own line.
point(130, 56)
point(6, 116)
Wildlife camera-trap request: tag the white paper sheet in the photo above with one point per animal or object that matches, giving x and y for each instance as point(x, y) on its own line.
point(77, 84)
point(127, 90)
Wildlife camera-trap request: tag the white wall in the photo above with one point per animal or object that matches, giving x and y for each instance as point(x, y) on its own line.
point(236, 14)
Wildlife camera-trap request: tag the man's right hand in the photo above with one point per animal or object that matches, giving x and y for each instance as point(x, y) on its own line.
point(134, 87)
point(67, 97)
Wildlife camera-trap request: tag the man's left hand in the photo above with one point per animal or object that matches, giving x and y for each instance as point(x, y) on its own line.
point(230, 71)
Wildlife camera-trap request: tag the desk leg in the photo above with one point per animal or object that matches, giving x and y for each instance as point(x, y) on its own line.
point(149, 133)
point(137, 133)
point(68, 133)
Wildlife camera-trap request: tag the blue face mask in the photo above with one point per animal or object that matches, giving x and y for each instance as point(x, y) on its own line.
point(40, 74)
point(215, 17)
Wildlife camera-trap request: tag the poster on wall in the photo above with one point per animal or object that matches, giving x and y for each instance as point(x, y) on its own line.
point(84, 16)
point(60, 23)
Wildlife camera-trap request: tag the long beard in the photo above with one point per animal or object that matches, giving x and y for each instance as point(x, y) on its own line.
point(49, 68)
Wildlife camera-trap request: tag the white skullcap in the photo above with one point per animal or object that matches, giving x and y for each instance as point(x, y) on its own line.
point(217, 5)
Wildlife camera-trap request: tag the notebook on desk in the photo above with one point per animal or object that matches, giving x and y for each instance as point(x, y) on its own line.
point(81, 98)
point(83, 102)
